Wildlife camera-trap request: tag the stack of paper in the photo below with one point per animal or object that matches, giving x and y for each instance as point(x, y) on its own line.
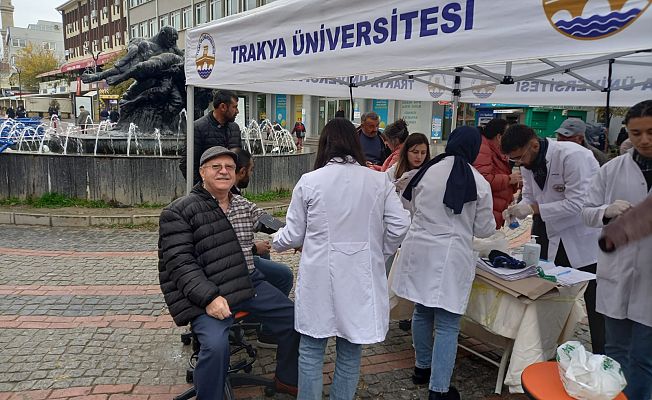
point(506, 273)
point(566, 276)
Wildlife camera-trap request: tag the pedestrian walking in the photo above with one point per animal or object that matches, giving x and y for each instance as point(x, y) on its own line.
point(300, 131)
point(82, 119)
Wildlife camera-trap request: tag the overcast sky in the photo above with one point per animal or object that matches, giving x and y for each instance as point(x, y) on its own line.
point(29, 11)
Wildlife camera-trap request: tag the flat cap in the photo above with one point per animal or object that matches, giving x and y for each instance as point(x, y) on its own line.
point(216, 151)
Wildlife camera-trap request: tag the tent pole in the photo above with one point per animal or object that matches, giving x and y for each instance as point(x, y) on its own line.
point(190, 137)
point(608, 90)
point(351, 95)
point(456, 98)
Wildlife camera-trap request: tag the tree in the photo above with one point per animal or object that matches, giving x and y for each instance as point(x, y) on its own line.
point(32, 61)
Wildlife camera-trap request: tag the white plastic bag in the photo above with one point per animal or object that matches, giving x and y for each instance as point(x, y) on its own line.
point(588, 376)
point(497, 241)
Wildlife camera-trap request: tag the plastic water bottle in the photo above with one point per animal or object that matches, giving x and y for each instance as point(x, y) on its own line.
point(531, 252)
point(513, 222)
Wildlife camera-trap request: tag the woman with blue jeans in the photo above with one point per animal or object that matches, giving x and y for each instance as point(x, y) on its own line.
point(451, 202)
point(347, 219)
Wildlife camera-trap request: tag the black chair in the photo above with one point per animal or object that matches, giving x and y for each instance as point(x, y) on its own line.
point(239, 373)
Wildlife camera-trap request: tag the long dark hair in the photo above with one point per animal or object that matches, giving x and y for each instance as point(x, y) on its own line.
point(403, 164)
point(338, 139)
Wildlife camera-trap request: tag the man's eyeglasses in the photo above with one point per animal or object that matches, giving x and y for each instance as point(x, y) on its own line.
point(218, 167)
point(519, 158)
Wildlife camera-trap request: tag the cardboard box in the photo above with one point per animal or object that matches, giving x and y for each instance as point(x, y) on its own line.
point(532, 288)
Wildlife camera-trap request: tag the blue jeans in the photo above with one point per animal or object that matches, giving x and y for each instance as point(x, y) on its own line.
point(279, 275)
point(311, 369)
point(441, 354)
point(273, 309)
point(630, 343)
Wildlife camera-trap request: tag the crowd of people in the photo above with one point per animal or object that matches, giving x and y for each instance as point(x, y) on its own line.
point(390, 194)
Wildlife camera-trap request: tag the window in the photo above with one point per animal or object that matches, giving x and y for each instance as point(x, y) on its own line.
point(216, 9)
point(200, 13)
point(163, 21)
point(175, 19)
point(50, 46)
point(249, 4)
point(17, 42)
point(142, 30)
point(152, 27)
point(134, 31)
point(231, 7)
point(187, 18)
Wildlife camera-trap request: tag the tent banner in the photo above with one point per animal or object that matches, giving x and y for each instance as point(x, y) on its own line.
point(631, 83)
point(300, 39)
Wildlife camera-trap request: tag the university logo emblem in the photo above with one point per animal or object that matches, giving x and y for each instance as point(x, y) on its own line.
point(593, 19)
point(435, 86)
point(205, 55)
point(485, 89)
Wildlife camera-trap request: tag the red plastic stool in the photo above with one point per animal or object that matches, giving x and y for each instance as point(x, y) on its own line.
point(541, 381)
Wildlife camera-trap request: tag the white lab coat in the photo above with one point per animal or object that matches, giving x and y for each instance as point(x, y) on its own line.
point(436, 267)
point(570, 170)
point(624, 276)
point(348, 219)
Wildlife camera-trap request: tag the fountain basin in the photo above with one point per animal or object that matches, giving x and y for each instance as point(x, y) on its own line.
point(128, 180)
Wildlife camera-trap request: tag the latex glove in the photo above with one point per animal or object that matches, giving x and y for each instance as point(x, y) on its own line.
point(520, 211)
point(506, 215)
point(616, 208)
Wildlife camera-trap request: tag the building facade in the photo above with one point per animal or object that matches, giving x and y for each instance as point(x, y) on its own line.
point(43, 34)
point(95, 31)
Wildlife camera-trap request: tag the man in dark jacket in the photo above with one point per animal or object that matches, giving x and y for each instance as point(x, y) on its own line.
point(205, 279)
point(372, 144)
point(215, 129)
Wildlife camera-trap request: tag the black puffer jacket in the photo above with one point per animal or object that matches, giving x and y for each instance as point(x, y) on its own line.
point(207, 136)
point(200, 257)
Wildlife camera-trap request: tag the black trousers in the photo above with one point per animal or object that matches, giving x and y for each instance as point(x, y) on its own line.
point(596, 320)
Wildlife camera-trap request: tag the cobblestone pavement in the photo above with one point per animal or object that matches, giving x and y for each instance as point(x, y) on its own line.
point(81, 316)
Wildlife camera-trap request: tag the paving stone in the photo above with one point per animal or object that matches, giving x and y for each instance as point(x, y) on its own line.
point(87, 356)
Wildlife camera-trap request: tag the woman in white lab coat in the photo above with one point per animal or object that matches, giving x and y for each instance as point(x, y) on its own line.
point(348, 219)
point(624, 277)
point(452, 203)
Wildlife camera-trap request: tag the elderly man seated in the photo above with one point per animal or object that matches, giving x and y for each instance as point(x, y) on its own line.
point(205, 278)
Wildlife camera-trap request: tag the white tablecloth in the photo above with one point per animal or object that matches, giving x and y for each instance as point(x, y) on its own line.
point(536, 327)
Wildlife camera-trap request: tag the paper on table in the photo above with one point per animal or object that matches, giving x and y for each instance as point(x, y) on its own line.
point(506, 273)
point(569, 276)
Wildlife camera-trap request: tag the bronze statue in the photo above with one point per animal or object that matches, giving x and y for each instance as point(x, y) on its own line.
point(158, 94)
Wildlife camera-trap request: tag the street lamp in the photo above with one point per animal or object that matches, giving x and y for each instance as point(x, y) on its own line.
point(96, 56)
point(20, 90)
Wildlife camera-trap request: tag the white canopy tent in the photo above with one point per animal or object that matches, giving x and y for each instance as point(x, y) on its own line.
point(548, 52)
